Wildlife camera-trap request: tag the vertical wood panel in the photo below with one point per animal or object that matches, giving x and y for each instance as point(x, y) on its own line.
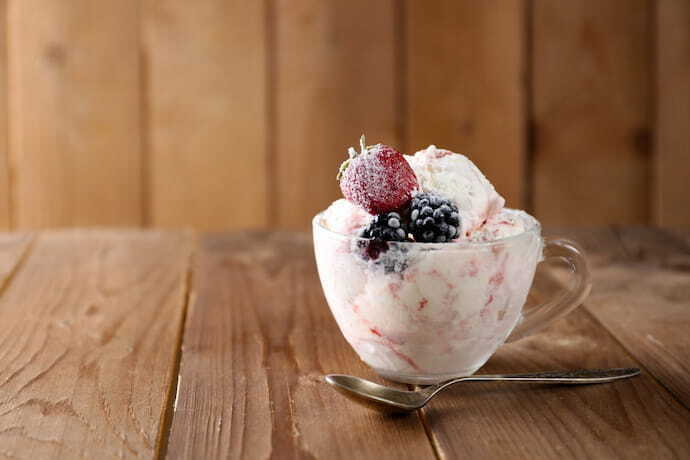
point(670, 198)
point(4, 142)
point(74, 101)
point(465, 89)
point(592, 106)
point(335, 77)
point(206, 112)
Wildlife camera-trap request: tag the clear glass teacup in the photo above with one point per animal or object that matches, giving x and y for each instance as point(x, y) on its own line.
point(426, 312)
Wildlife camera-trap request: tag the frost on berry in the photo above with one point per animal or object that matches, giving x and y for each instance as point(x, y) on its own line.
point(379, 180)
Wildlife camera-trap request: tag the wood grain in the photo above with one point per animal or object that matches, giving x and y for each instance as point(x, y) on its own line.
point(592, 100)
point(13, 249)
point(74, 126)
point(642, 295)
point(635, 418)
point(672, 146)
point(258, 339)
point(645, 302)
point(5, 200)
point(334, 78)
point(205, 78)
point(91, 324)
point(465, 85)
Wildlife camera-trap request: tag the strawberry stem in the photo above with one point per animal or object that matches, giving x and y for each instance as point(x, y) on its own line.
point(352, 153)
point(342, 169)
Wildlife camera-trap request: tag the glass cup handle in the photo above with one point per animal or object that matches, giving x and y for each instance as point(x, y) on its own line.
point(568, 299)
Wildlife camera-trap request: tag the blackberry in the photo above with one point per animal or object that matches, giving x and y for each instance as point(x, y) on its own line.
point(388, 226)
point(391, 256)
point(433, 219)
point(385, 228)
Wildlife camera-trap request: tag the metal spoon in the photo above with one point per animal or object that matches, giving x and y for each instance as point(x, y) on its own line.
point(389, 399)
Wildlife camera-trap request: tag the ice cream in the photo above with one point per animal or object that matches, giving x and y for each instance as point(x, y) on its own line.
point(505, 223)
point(454, 176)
point(345, 217)
point(422, 312)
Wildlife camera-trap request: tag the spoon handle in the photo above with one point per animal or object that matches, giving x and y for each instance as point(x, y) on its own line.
point(576, 377)
point(583, 376)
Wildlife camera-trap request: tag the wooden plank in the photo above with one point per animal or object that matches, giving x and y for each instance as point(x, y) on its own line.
point(205, 78)
point(88, 344)
point(635, 418)
point(645, 303)
point(649, 312)
point(5, 218)
point(672, 146)
point(592, 85)
point(465, 85)
point(75, 126)
point(335, 77)
point(258, 339)
point(642, 294)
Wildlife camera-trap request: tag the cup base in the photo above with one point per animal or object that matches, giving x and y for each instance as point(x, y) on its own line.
point(425, 379)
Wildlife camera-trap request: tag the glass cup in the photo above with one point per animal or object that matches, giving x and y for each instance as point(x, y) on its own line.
point(427, 312)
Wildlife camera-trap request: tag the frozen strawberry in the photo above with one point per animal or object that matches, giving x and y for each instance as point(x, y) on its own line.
point(378, 178)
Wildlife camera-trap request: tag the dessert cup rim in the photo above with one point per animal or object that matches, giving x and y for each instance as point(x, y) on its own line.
point(533, 227)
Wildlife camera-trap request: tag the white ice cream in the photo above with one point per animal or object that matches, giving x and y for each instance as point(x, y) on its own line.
point(505, 223)
point(422, 312)
point(454, 176)
point(345, 217)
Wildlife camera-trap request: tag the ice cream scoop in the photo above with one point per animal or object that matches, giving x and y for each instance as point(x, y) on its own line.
point(454, 176)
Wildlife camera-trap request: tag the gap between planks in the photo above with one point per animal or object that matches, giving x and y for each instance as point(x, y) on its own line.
point(169, 414)
point(421, 415)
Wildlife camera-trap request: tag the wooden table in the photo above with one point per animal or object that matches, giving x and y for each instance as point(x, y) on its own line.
point(144, 344)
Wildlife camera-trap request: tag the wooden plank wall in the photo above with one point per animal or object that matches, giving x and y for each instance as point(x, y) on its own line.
point(205, 81)
point(672, 147)
point(4, 142)
point(592, 112)
point(229, 114)
point(75, 108)
point(466, 63)
point(334, 77)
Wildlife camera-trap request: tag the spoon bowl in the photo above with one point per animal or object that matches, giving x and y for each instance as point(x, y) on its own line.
point(376, 396)
point(384, 398)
